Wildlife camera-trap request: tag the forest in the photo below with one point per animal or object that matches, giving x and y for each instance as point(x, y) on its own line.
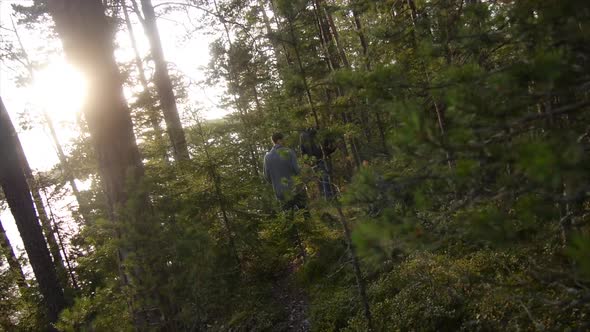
point(451, 190)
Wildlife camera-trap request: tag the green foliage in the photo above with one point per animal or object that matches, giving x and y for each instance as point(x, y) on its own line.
point(21, 309)
point(578, 251)
point(106, 309)
point(538, 161)
point(469, 214)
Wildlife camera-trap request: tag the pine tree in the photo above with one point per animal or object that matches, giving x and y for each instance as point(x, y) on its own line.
point(162, 81)
point(84, 31)
point(16, 191)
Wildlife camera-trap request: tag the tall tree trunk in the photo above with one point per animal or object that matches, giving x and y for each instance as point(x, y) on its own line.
point(336, 59)
point(282, 69)
point(43, 218)
point(14, 185)
point(438, 110)
point(62, 246)
point(299, 62)
point(153, 116)
point(233, 81)
point(273, 41)
point(83, 210)
point(325, 37)
point(42, 214)
point(281, 41)
point(87, 39)
point(335, 35)
point(413, 12)
point(164, 84)
point(368, 66)
point(13, 262)
point(302, 72)
point(363, 40)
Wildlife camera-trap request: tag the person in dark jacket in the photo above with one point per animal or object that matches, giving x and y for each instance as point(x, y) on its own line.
point(318, 153)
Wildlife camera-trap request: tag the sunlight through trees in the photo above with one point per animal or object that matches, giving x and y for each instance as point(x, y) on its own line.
point(442, 153)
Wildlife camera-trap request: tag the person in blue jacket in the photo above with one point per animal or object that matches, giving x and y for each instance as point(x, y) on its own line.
point(280, 169)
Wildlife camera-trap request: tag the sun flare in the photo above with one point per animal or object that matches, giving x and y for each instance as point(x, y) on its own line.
point(59, 89)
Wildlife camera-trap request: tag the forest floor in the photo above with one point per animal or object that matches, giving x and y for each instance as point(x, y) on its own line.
point(293, 300)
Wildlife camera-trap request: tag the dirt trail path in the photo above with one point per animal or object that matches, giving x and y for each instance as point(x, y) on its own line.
point(294, 302)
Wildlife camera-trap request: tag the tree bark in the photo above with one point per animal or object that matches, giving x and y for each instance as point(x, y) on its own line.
point(42, 214)
point(368, 66)
point(87, 39)
point(14, 185)
point(153, 116)
point(294, 42)
point(43, 218)
point(273, 41)
point(438, 110)
point(325, 37)
point(302, 73)
point(362, 38)
point(164, 84)
point(53, 224)
point(83, 211)
point(336, 59)
point(336, 36)
point(413, 12)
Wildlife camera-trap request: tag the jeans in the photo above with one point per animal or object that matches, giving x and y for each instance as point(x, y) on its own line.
point(325, 183)
point(298, 202)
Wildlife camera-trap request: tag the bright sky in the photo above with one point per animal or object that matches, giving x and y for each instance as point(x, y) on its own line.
point(59, 89)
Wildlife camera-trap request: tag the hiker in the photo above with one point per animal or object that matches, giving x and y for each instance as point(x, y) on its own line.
point(318, 153)
point(280, 168)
